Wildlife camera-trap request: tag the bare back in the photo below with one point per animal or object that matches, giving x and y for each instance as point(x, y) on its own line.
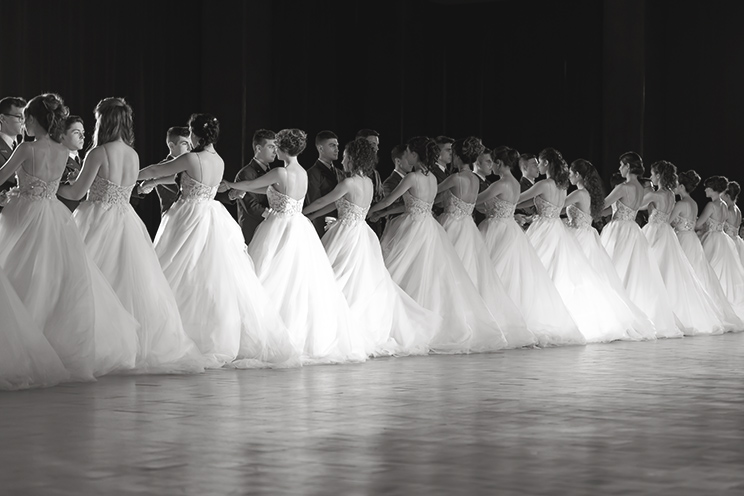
point(48, 160)
point(424, 186)
point(509, 189)
point(206, 167)
point(120, 163)
point(360, 190)
point(687, 208)
point(632, 195)
point(294, 183)
point(466, 186)
point(664, 201)
point(553, 194)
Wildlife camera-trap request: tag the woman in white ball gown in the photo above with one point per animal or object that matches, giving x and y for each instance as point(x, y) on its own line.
point(293, 267)
point(516, 262)
point(691, 304)
point(201, 249)
point(45, 259)
point(683, 220)
point(583, 206)
point(733, 216)
point(422, 260)
point(628, 248)
point(459, 192)
point(117, 240)
point(719, 248)
point(598, 310)
point(390, 321)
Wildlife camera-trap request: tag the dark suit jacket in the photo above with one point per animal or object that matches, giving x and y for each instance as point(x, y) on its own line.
point(482, 185)
point(251, 207)
point(392, 182)
point(320, 181)
point(71, 169)
point(441, 176)
point(524, 185)
point(5, 153)
point(167, 193)
point(379, 226)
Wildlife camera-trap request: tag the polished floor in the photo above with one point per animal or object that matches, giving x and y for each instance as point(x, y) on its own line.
point(623, 418)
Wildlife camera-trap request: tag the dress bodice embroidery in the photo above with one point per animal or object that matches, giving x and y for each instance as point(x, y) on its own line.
point(496, 208)
point(109, 194)
point(577, 218)
point(730, 230)
point(681, 224)
point(193, 190)
point(282, 204)
point(350, 214)
point(623, 212)
point(714, 225)
point(658, 217)
point(416, 207)
point(34, 188)
point(546, 209)
point(457, 207)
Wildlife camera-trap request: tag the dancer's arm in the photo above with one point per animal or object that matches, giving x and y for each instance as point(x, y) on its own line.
point(317, 207)
point(707, 212)
point(405, 184)
point(616, 194)
point(167, 168)
point(19, 156)
point(91, 166)
point(259, 185)
point(537, 189)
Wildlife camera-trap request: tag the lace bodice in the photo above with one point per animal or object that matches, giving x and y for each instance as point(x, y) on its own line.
point(282, 204)
point(496, 208)
point(104, 191)
point(658, 217)
point(416, 207)
point(350, 214)
point(34, 188)
point(458, 207)
point(681, 224)
point(193, 190)
point(578, 218)
point(623, 212)
point(546, 209)
point(730, 230)
point(714, 225)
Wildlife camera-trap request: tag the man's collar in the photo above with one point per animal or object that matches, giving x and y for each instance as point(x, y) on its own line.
point(532, 181)
point(442, 167)
point(8, 139)
point(73, 154)
point(477, 173)
point(399, 173)
point(327, 164)
point(262, 165)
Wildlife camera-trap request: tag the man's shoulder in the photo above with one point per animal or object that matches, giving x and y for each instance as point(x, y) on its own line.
point(5, 150)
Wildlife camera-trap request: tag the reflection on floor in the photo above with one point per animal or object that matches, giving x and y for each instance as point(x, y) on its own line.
point(623, 418)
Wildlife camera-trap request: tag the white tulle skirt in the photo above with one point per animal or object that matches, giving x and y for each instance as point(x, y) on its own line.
point(721, 253)
point(223, 307)
point(470, 247)
point(117, 241)
point(691, 304)
point(598, 310)
point(693, 250)
point(528, 284)
point(424, 263)
point(293, 267)
point(64, 291)
point(627, 247)
point(390, 322)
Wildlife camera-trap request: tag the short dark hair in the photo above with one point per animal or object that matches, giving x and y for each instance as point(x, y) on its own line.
point(486, 151)
point(525, 157)
point(260, 137)
point(324, 136)
point(443, 140)
point(366, 133)
point(398, 152)
point(73, 119)
point(180, 131)
point(11, 101)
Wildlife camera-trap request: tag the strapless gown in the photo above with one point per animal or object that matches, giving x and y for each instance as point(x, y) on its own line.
point(693, 250)
point(118, 242)
point(600, 313)
point(390, 322)
point(525, 279)
point(457, 221)
point(691, 304)
point(580, 225)
point(720, 251)
point(293, 267)
point(628, 248)
point(223, 307)
point(424, 263)
point(64, 291)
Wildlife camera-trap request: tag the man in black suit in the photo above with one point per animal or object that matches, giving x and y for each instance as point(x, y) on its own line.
point(74, 140)
point(482, 167)
point(528, 167)
point(374, 137)
point(178, 141)
point(323, 176)
point(441, 170)
point(251, 206)
point(11, 126)
point(401, 169)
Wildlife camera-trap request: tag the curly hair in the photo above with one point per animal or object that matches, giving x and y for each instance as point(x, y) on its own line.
point(509, 157)
point(689, 179)
point(634, 163)
point(362, 155)
point(427, 150)
point(206, 127)
point(667, 172)
point(592, 184)
point(557, 167)
point(50, 112)
point(733, 189)
point(291, 141)
point(113, 121)
point(719, 184)
point(468, 149)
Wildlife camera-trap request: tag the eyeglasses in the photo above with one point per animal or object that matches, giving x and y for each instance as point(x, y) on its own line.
point(17, 116)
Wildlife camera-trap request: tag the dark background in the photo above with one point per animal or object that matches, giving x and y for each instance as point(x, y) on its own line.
point(592, 78)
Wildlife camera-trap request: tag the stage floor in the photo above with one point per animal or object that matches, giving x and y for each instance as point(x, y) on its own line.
point(623, 418)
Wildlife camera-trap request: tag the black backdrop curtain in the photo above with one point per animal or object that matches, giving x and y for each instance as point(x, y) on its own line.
point(591, 78)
